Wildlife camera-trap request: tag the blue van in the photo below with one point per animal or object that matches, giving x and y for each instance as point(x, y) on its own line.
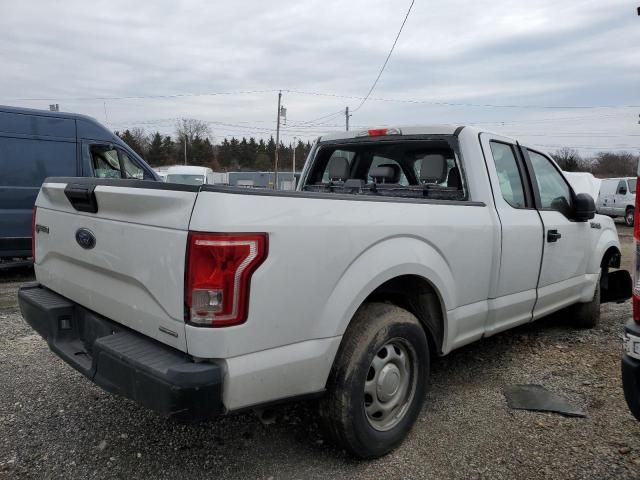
point(36, 144)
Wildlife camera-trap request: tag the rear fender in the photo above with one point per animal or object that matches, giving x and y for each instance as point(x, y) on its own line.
point(383, 261)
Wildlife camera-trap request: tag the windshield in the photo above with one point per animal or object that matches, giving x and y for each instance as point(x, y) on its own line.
point(186, 179)
point(632, 186)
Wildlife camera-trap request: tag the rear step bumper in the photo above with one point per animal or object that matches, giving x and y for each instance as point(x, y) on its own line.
point(122, 361)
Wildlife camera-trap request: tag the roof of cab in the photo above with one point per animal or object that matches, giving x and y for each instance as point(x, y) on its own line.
point(404, 130)
point(87, 127)
point(46, 113)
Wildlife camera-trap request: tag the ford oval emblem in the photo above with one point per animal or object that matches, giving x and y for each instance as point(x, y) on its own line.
point(85, 238)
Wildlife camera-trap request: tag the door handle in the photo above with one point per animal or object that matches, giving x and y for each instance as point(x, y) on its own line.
point(553, 236)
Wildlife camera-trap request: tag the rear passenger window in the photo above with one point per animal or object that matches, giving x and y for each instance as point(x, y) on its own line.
point(27, 162)
point(422, 169)
point(508, 174)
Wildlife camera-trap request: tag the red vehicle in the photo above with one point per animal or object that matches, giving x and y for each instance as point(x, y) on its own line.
point(631, 355)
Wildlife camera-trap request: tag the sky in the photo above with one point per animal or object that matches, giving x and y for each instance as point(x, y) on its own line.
point(552, 73)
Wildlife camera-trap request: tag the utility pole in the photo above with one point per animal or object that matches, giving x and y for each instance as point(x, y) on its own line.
point(185, 149)
point(275, 186)
point(293, 167)
point(346, 117)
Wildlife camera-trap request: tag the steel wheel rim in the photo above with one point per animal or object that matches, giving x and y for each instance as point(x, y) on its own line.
point(390, 384)
point(629, 218)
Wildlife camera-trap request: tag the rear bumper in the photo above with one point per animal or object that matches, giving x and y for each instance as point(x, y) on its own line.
point(631, 368)
point(122, 361)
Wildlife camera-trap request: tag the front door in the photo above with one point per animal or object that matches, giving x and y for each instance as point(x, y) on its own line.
point(566, 242)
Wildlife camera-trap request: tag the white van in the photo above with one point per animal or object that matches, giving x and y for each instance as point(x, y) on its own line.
point(190, 175)
point(618, 198)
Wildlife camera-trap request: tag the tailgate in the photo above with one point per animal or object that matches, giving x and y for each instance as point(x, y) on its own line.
point(131, 267)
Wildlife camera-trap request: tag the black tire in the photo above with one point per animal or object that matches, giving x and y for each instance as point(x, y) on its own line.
point(374, 328)
point(628, 217)
point(587, 315)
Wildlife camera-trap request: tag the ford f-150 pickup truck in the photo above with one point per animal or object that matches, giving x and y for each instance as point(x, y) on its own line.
point(399, 245)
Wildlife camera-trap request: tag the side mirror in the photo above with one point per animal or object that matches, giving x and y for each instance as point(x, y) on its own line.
point(622, 191)
point(585, 207)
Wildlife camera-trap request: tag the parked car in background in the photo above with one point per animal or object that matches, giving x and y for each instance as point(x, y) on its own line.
point(618, 198)
point(162, 173)
point(398, 245)
point(36, 144)
point(190, 175)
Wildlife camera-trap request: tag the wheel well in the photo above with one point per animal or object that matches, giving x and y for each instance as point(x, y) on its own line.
point(418, 296)
point(611, 258)
point(629, 207)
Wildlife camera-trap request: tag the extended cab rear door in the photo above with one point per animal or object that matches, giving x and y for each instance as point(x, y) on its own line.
point(513, 298)
point(566, 242)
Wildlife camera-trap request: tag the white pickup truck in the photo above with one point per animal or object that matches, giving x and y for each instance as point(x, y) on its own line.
point(399, 245)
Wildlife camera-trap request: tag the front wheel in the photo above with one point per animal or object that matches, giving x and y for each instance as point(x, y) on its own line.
point(378, 381)
point(628, 217)
point(587, 315)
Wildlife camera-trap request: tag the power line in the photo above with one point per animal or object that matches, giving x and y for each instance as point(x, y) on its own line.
point(386, 60)
point(141, 97)
point(454, 104)
point(331, 95)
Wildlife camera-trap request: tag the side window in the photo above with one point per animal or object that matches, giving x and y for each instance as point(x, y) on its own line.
point(129, 167)
point(109, 161)
point(555, 193)
point(622, 187)
point(508, 174)
point(105, 162)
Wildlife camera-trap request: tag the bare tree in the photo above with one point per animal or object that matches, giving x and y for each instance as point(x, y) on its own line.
point(192, 128)
point(140, 137)
point(610, 164)
point(569, 159)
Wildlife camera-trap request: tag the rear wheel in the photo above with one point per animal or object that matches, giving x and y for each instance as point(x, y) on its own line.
point(378, 381)
point(628, 217)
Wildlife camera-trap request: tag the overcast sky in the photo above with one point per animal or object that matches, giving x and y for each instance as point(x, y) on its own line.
point(498, 63)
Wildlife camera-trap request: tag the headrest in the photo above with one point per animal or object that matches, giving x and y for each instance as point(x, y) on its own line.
point(386, 173)
point(433, 168)
point(338, 169)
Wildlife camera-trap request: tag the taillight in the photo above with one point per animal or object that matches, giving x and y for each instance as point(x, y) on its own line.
point(33, 234)
point(636, 256)
point(218, 276)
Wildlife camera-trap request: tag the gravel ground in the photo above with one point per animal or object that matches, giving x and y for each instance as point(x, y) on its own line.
point(56, 424)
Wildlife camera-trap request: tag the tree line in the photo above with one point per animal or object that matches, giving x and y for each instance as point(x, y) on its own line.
point(257, 154)
point(602, 164)
point(231, 154)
